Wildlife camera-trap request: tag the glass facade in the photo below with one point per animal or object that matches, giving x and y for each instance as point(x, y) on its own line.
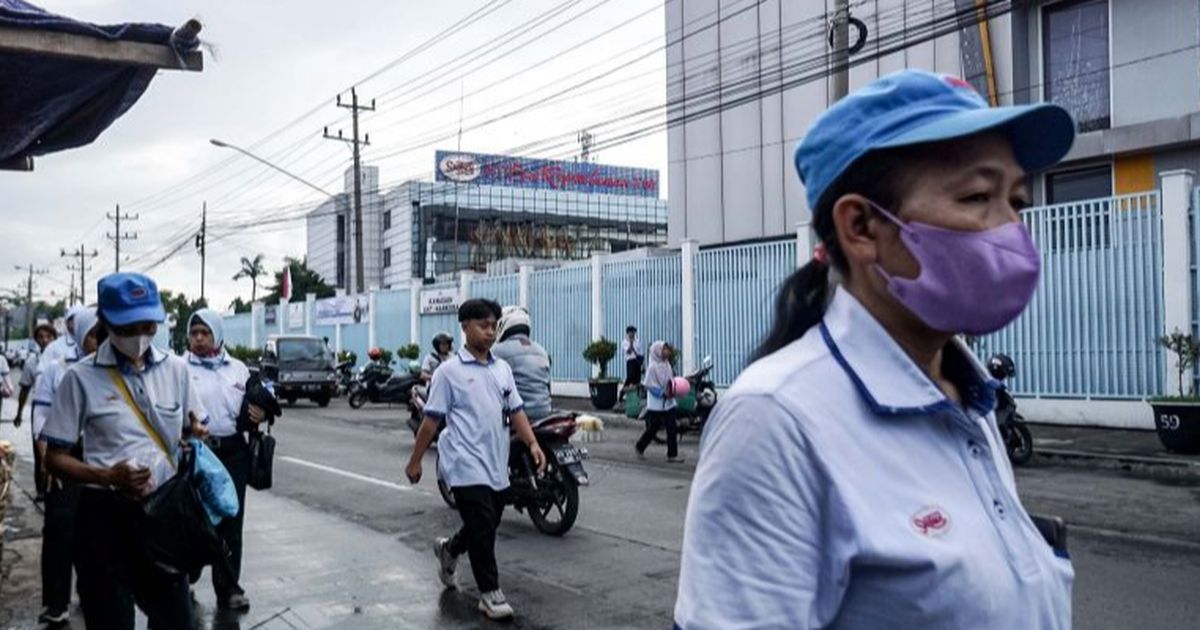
point(458, 227)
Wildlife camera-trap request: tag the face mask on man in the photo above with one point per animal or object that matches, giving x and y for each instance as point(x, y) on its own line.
point(132, 346)
point(970, 282)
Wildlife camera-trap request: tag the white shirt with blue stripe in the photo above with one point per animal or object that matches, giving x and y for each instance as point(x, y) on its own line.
point(475, 399)
point(220, 384)
point(838, 487)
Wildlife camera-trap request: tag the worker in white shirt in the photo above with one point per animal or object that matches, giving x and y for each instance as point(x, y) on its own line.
point(220, 383)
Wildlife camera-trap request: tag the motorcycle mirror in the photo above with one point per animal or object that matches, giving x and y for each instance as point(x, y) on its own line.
point(707, 360)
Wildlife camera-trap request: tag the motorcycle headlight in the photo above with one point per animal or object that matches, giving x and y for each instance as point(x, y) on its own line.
point(332, 376)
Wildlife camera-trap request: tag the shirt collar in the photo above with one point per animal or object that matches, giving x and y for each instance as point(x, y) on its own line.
point(885, 376)
point(465, 356)
point(106, 356)
point(211, 363)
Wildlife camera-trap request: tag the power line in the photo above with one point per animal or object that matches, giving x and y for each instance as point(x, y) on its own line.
point(82, 267)
point(117, 236)
point(355, 143)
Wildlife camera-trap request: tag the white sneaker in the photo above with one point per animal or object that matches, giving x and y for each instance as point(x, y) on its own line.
point(495, 606)
point(447, 563)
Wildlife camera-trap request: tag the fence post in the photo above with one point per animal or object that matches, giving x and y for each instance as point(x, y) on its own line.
point(524, 275)
point(687, 302)
point(310, 312)
point(597, 302)
point(414, 309)
point(464, 294)
point(337, 338)
point(281, 316)
point(804, 243)
point(372, 333)
point(1176, 196)
point(255, 314)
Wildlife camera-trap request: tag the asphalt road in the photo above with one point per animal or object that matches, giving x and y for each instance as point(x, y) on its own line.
point(1135, 539)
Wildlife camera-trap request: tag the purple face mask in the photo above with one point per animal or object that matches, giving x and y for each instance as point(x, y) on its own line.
point(970, 282)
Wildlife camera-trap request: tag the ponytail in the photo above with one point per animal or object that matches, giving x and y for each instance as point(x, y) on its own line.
point(799, 306)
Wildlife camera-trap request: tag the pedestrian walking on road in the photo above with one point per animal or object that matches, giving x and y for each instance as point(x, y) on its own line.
point(220, 383)
point(44, 336)
point(660, 402)
point(129, 405)
point(476, 395)
point(62, 496)
point(854, 475)
point(631, 349)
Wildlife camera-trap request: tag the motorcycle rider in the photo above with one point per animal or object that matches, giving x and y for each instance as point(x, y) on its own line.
point(443, 345)
point(529, 362)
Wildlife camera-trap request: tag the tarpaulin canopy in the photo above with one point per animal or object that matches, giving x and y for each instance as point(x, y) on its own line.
point(63, 82)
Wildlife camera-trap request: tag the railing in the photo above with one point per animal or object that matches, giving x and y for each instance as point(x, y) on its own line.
point(1090, 330)
point(560, 307)
point(644, 293)
point(503, 289)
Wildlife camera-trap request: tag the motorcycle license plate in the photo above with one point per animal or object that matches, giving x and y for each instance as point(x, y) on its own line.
point(568, 455)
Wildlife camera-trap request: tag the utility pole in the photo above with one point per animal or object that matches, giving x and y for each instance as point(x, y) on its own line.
point(81, 267)
point(33, 271)
point(355, 143)
point(840, 76)
point(117, 236)
point(202, 243)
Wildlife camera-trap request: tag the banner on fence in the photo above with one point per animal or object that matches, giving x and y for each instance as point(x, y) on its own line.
point(435, 301)
point(296, 314)
point(345, 309)
point(269, 317)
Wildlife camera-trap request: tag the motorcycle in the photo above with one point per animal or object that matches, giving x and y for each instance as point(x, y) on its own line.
point(377, 383)
point(552, 499)
point(1018, 441)
point(695, 408)
point(345, 376)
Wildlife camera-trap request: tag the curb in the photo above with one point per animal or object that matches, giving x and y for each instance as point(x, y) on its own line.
point(1183, 464)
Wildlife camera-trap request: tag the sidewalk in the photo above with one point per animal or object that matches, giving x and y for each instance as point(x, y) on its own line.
point(1084, 446)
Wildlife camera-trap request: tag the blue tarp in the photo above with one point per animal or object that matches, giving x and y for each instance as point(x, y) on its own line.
point(49, 104)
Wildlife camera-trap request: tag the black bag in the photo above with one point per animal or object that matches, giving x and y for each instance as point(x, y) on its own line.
point(262, 456)
point(176, 532)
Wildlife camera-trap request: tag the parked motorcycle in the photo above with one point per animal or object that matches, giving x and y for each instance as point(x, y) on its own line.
point(1018, 441)
point(345, 376)
point(378, 383)
point(694, 409)
point(552, 499)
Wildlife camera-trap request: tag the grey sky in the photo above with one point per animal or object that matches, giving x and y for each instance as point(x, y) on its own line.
point(277, 60)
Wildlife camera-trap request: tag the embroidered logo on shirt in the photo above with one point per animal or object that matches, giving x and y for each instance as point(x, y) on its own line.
point(931, 520)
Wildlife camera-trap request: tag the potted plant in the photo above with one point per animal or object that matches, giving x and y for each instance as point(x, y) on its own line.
point(346, 355)
point(1177, 418)
point(411, 352)
point(602, 388)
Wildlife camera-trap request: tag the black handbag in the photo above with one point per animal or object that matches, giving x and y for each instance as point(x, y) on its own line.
point(175, 530)
point(262, 456)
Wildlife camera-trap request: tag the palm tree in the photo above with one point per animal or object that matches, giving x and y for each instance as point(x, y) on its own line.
point(252, 269)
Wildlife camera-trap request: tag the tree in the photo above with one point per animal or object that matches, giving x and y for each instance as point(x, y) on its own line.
point(252, 268)
point(238, 305)
point(304, 282)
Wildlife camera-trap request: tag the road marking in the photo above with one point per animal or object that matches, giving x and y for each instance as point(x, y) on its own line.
point(348, 474)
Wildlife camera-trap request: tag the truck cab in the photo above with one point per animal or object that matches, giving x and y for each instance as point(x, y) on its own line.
point(300, 366)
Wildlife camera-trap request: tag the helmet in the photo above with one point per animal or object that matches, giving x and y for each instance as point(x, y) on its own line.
point(511, 318)
point(374, 354)
point(1001, 366)
point(441, 338)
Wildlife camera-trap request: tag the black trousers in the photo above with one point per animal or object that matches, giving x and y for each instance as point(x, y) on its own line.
point(633, 372)
point(234, 452)
point(39, 480)
point(655, 421)
point(480, 508)
point(115, 573)
point(58, 545)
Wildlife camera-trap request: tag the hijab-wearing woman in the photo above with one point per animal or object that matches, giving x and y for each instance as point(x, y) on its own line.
point(660, 402)
point(854, 477)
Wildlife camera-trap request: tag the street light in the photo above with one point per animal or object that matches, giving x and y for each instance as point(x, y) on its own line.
point(226, 145)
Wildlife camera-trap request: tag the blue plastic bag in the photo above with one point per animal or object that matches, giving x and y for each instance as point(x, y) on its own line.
point(217, 493)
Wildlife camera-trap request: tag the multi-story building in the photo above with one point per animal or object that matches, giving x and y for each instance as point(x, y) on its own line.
point(485, 208)
point(1126, 70)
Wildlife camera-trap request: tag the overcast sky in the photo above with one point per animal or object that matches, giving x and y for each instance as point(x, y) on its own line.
point(278, 60)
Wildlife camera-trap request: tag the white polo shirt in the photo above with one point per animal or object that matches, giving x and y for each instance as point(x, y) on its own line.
point(475, 399)
point(90, 406)
point(839, 488)
point(44, 389)
point(220, 385)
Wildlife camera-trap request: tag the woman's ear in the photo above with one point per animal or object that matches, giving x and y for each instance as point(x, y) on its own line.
point(857, 229)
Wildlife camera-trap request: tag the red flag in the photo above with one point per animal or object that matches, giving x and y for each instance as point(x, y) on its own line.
point(285, 290)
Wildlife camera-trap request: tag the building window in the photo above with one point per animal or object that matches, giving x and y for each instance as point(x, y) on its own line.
point(387, 220)
point(387, 257)
point(1075, 60)
point(1079, 184)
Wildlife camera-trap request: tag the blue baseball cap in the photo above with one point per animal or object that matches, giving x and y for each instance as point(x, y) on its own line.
point(129, 298)
point(914, 107)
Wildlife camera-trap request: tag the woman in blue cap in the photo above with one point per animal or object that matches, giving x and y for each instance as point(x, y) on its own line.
point(129, 405)
point(854, 476)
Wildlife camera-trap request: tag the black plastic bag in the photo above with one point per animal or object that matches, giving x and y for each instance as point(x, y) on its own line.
point(176, 532)
point(262, 456)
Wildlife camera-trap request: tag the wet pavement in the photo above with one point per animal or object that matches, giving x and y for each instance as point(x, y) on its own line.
point(343, 541)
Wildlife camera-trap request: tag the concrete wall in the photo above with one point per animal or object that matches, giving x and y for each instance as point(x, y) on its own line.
point(1145, 88)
